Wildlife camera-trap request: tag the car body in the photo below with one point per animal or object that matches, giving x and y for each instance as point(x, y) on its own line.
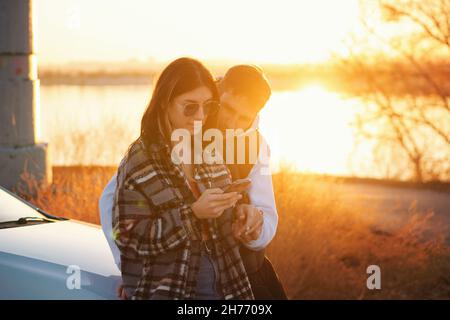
point(52, 258)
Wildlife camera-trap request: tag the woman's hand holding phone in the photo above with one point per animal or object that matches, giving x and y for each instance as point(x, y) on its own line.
point(213, 202)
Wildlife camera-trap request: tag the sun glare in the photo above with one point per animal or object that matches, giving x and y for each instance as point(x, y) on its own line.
point(310, 128)
point(281, 32)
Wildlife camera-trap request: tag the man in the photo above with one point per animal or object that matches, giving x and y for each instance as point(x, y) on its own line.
point(244, 90)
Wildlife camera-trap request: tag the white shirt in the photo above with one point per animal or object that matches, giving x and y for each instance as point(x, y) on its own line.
point(260, 193)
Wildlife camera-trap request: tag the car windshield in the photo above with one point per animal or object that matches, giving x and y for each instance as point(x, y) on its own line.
point(11, 208)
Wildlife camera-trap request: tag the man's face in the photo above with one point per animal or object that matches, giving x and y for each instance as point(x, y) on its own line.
point(235, 112)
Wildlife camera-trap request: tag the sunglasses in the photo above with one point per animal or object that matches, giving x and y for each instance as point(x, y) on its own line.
point(209, 107)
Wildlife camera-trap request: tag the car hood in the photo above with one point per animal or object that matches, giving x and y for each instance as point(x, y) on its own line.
point(66, 243)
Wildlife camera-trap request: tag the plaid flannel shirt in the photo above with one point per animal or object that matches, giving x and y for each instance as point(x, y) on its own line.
point(159, 236)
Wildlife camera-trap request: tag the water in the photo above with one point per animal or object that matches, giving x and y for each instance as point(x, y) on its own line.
point(309, 128)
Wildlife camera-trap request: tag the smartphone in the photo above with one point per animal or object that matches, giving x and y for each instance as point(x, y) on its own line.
point(239, 185)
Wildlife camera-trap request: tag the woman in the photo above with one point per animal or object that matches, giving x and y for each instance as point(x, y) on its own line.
point(175, 220)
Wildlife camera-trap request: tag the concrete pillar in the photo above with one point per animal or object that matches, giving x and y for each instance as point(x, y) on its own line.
point(20, 147)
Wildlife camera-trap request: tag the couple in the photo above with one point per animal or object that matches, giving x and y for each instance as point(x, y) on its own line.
point(173, 230)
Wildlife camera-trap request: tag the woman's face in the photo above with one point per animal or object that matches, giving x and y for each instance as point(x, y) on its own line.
point(181, 108)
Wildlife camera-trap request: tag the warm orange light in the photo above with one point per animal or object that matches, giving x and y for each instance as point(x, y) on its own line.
point(310, 129)
point(283, 31)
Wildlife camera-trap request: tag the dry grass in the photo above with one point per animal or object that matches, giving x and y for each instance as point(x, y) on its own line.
point(74, 193)
point(322, 247)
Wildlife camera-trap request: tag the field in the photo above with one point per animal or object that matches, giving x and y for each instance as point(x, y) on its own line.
point(323, 245)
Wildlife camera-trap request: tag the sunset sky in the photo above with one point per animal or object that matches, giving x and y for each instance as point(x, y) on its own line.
point(283, 31)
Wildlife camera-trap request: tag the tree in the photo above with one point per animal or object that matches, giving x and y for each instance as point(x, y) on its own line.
point(405, 81)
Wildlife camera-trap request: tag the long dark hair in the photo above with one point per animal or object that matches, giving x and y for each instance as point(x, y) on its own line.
point(180, 76)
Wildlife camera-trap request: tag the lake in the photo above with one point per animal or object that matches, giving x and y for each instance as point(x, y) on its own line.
point(310, 128)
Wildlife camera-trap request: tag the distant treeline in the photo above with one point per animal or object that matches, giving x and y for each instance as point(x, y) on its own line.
point(335, 76)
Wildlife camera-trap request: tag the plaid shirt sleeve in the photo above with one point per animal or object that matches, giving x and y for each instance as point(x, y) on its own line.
point(138, 231)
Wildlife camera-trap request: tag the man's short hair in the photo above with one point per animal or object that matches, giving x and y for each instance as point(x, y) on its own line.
point(249, 81)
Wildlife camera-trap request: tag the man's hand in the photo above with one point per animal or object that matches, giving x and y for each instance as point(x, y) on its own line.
point(248, 224)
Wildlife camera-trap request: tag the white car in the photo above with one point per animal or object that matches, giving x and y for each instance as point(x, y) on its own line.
point(46, 257)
